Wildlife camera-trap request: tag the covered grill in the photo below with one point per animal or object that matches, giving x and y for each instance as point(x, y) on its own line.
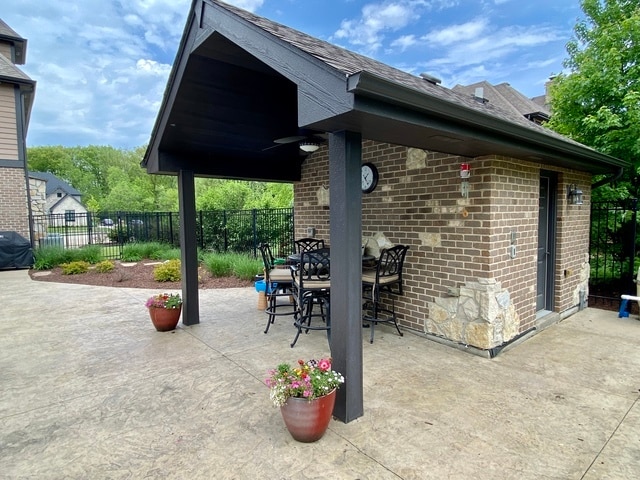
point(15, 251)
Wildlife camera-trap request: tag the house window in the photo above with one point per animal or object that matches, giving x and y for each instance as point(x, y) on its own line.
point(70, 215)
point(59, 194)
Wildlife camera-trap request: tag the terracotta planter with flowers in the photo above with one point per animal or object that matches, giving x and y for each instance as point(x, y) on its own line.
point(306, 396)
point(164, 311)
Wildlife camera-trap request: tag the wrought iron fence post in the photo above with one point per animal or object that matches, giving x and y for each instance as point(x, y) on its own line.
point(632, 249)
point(224, 230)
point(254, 226)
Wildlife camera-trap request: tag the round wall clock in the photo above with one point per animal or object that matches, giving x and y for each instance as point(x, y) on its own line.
point(369, 177)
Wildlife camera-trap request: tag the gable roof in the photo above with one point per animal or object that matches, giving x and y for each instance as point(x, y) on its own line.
point(240, 81)
point(8, 35)
point(65, 198)
point(507, 98)
point(54, 183)
point(11, 74)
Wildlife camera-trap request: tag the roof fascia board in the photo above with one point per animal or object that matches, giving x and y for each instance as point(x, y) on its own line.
point(225, 167)
point(366, 84)
point(22, 82)
point(322, 90)
point(427, 119)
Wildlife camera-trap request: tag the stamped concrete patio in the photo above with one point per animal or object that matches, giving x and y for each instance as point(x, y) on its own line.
point(91, 390)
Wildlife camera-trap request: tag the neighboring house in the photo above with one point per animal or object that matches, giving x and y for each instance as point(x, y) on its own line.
point(506, 97)
point(494, 257)
point(16, 99)
point(61, 199)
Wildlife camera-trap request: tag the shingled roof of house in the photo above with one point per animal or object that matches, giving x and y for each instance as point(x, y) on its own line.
point(54, 183)
point(9, 35)
point(506, 97)
point(320, 87)
point(350, 63)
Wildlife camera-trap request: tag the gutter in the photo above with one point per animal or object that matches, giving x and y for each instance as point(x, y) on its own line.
point(373, 86)
point(608, 179)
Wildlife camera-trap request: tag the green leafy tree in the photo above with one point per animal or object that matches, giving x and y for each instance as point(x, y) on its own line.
point(110, 179)
point(272, 195)
point(598, 101)
point(222, 195)
point(53, 159)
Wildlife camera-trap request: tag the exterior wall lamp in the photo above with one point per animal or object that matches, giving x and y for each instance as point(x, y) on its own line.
point(465, 173)
point(574, 194)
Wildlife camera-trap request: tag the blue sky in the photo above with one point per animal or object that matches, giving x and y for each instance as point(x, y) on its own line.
point(101, 65)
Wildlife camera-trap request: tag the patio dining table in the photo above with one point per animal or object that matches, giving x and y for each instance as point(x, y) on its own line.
point(294, 259)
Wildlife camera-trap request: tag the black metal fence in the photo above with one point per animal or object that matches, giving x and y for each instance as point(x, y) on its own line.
point(612, 251)
point(220, 231)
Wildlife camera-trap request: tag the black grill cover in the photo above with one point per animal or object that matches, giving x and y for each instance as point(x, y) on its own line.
point(15, 251)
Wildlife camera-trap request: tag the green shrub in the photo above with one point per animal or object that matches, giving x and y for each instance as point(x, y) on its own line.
point(134, 252)
point(47, 257)
point(219, 264)
point(239, 265)
point(131, 253)
point(246, 267)
point(53, 256)
point(88, 253)
point(105, 266)
point(169, 254)
point(169, 271)
point(155, 250)
point(74, 268)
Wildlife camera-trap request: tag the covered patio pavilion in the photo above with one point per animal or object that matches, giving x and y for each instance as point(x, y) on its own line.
point(91, 391)
point(241, 82)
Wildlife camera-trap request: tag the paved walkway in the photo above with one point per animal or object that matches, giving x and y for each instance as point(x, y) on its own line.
point(89, 390)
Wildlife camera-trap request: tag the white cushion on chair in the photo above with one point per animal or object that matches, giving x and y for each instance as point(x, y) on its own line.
point(369, 276)
point(280, 275)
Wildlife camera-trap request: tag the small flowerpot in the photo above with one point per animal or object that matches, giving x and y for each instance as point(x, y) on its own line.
point(165, 319)
point(307, 421)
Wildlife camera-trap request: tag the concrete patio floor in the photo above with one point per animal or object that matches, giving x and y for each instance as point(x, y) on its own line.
point(91, 391)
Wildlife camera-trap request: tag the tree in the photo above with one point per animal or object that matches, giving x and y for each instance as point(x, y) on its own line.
point(110, 179)
point(598, 102)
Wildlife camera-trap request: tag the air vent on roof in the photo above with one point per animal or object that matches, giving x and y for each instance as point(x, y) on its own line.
point(431, 78)
point(479, 95)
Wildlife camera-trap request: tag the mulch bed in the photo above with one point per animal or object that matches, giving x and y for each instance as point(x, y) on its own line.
point(134, 275)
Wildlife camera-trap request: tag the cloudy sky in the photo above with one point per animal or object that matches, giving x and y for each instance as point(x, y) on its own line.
point(101, 65)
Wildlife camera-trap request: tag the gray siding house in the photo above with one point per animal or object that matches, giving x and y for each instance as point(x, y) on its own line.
point(16, 99)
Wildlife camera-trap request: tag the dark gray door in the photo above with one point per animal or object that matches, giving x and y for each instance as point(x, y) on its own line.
point(546, 234)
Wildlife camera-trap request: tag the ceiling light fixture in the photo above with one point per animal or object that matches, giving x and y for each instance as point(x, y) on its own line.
point(309, 146)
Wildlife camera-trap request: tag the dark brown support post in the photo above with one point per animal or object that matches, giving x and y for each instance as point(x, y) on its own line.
point(345, 157)
point(188, 247)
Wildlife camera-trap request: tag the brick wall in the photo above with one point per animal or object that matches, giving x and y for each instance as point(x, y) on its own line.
point(14, 211)
point(572, 249)
point(454, 240)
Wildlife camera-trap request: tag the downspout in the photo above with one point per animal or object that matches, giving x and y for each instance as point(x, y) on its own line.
point(22, 153)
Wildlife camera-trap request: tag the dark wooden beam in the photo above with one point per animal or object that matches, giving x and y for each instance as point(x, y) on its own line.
point(189, 247)
point(345, 157)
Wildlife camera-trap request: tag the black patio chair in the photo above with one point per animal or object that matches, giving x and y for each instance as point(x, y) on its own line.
point(386, 277)
point(308, 244)
point(278, 284)
point(312, 289)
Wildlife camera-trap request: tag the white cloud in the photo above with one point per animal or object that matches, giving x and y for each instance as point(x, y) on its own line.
point(404, 42)
point(251, 5)
point(499, 44)
point(100, 66)
point(457, 33)
point(377, 18)
point(151, 66)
